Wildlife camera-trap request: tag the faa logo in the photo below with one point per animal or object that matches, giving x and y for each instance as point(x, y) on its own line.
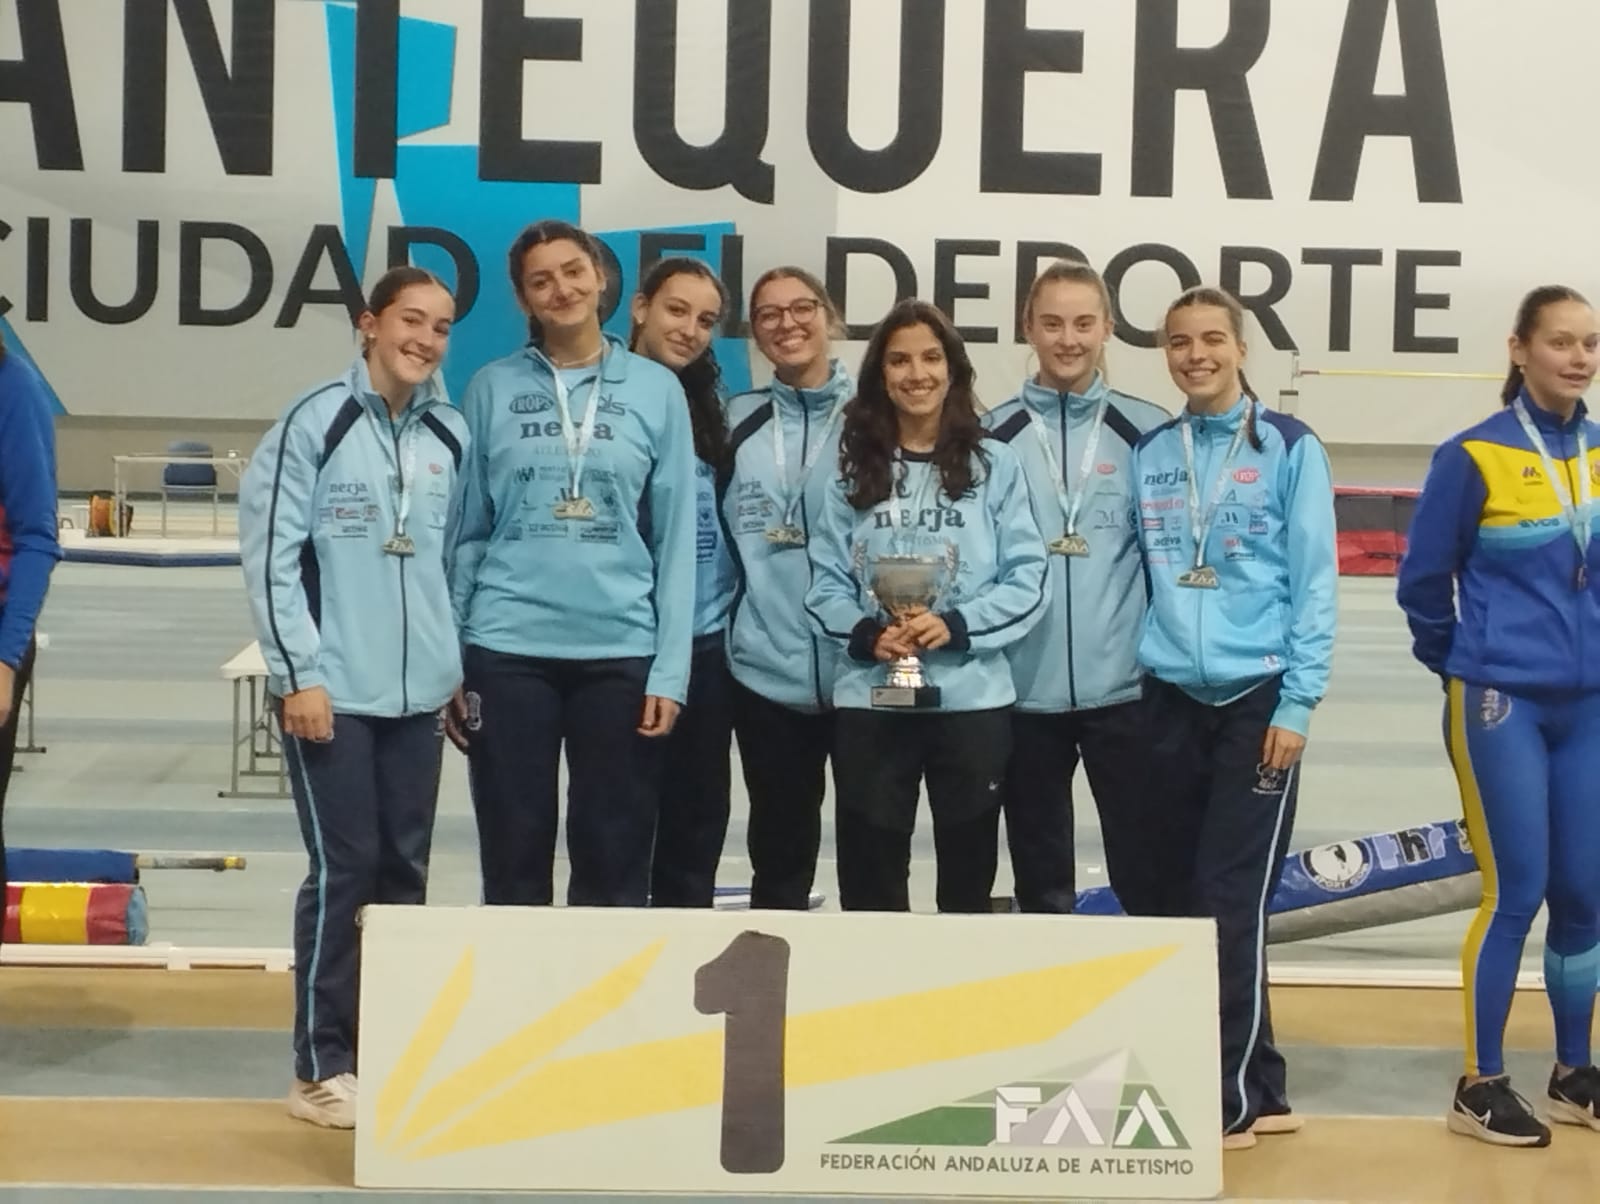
point(1109, 1106)
point(1110, 1103)
point(1338, 867)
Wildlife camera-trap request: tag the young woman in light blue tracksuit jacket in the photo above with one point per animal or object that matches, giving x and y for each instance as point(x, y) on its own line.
point(574, 582)
point(1238, 642)
point(784, 447)
point(1077, 674)
point(344, 529)
point(918, 479)
point(676, 313)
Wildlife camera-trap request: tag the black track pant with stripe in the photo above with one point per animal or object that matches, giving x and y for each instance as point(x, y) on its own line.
point(366, 801)
point(1219, 842)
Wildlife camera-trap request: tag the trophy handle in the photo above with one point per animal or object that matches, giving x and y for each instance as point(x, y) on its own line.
point(952, 565)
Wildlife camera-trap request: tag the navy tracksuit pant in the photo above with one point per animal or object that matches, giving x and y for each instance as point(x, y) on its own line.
point(1217, 836)
point(696, 783)
point(521, 711)
point(1045, 751)
point(784, 754)
point(882, 760)
point(366, 802)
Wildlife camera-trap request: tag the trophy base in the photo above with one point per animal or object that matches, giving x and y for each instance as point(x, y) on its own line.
point(917, 698)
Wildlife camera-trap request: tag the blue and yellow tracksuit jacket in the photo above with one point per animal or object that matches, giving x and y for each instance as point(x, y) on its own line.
point(1488, 580)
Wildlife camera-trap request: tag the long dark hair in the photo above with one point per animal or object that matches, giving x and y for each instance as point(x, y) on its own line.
point(1527, 321)
point(701, 377)
point(871, 428)
point(1206, 295)
point(553, 230)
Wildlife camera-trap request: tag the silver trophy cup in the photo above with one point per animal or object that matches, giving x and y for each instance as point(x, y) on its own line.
point(903, 586)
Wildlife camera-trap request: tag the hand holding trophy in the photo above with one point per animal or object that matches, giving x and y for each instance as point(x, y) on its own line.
point(905, 586)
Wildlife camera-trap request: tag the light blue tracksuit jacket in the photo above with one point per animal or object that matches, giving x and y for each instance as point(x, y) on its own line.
point(316, 504)
point(1274, 546)
point(773, 650)
point(622, 584)
point(994, 582)
point(1083, 653)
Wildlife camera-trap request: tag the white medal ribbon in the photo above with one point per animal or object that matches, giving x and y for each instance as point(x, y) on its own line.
point(1071, 500)
point(578, 440)
point(790, 491)
point(1579, 516)
point(404, 456)
point(1198, 528)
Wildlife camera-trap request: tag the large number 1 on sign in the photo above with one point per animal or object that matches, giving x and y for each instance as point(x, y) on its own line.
point(749, 983)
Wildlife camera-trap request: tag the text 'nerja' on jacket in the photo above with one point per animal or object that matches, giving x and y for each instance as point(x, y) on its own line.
point(993, 582)
point(1268, 534)
point(322, 496)
point(530, 579)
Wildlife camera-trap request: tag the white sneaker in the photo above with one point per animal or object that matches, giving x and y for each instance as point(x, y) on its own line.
point(330, 1103)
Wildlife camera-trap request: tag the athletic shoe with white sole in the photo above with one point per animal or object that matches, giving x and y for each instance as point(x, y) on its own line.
point(330, 1103)
point(1491, 1111)
point(1575, 1097)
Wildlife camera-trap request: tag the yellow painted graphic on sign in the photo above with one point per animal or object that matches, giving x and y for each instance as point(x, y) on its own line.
point(497, 1066)
point(425, 1046)
point(856, 1040)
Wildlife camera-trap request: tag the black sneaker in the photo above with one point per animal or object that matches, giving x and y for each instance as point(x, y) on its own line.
point(1491, 1111)
point(1575, 1097)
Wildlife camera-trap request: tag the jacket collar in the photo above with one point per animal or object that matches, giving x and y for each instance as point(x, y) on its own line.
point(1225, 423)
point(429, 393)
point(1037, 397)
point(1546, 421)
point(613, 358)
point(839, 384)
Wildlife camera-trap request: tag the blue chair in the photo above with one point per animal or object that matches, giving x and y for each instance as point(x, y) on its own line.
point(189, 480)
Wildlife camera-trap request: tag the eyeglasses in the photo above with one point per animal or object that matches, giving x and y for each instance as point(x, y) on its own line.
point(769, 317)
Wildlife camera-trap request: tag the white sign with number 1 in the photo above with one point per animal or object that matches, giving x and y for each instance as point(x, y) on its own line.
point(712, 1052)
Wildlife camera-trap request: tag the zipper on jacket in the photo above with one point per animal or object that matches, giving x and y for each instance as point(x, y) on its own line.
point(1574, 493)
point(1072, 650)
point(805, 525)
point(405, 618)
